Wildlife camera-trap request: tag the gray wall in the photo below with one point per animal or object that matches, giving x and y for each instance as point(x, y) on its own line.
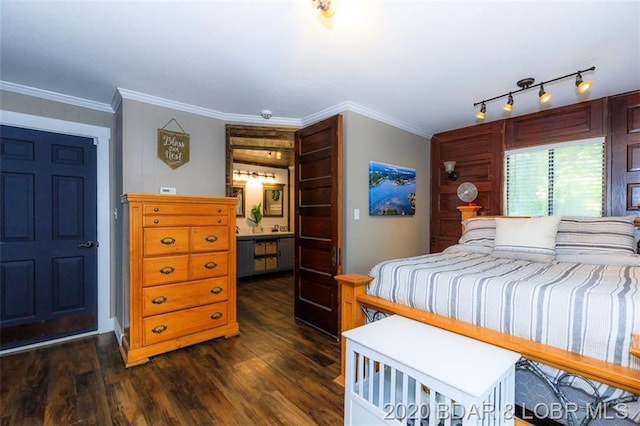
point(375, 238)
point(143, 171)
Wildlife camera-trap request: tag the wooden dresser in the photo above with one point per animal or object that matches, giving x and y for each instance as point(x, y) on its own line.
point(181, 271)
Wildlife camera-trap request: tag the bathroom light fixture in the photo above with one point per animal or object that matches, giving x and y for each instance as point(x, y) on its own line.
point(449, 167)
point(248, 174)
point(326, 7)
point(527, 83)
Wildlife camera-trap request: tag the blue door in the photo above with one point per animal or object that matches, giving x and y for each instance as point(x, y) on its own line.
point(48, 231)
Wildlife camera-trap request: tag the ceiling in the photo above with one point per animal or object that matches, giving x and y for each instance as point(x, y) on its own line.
point(418, 65)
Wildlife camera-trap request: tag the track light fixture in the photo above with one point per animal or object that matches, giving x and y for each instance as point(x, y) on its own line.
point(583, 85)
point(509, 105)
point(543, 96)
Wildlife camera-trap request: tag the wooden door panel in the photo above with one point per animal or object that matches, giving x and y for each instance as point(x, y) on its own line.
point(318, 242)
point(318, 227)
point(316, 258)
point(624, 183)
point(48, 210)
point(311, 196)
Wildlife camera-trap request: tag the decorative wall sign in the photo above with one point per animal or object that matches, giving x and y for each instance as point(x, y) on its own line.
point(392, 190)
point(173, 147)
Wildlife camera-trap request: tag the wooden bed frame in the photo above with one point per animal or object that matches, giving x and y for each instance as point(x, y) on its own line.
point(353, 298)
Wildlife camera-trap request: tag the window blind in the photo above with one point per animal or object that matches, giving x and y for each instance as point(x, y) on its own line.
point(565, 178)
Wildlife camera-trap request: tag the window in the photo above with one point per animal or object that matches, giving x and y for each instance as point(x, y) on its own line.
point(565, 178)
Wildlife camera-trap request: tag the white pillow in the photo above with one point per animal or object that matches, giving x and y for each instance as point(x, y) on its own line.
point(531, 239)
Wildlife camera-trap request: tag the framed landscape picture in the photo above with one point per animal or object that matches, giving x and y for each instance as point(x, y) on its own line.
point(392, 190)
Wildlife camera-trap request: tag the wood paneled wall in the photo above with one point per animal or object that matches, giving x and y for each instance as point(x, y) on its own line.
point(478, 152)
point(624, 151)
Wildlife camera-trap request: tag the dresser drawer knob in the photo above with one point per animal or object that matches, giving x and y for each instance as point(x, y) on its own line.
point(156, 210)
point(216, 290)
point(210, 265)
point(156, 221)
point(219, 210)
point(167, 241)
point(211, 238)
point(159, 300)
point(167, 270)
point(158, 329)
point(216, 315)
point(219, 220)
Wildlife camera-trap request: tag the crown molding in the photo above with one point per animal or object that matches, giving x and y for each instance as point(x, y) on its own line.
point(53, 96)
point(122, 93)
point(367, 112)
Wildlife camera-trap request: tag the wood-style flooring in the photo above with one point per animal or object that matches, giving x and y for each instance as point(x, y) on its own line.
point(275, 372)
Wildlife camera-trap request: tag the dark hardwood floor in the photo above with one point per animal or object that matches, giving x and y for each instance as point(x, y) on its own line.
point(275, 372)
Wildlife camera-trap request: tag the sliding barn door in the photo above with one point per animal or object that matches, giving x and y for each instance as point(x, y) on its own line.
point(318, 213)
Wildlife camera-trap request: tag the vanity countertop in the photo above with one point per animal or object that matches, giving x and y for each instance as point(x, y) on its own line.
point(263, 235)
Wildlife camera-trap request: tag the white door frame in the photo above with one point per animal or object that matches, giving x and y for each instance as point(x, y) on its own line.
point(101, 137)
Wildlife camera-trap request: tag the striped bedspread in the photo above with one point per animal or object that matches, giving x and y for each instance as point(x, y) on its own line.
point(588, 309)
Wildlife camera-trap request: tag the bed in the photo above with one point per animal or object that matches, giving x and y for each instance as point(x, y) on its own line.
point(562, 291)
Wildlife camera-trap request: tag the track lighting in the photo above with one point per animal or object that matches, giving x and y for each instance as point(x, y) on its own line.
point(543, 96)
point(509, 105)
point(583, 85)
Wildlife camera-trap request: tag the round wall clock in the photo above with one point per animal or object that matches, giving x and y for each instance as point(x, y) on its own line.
point(467, 192)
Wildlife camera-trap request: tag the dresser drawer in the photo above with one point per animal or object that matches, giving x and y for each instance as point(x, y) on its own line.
point(164, 270)
point(209, 238)
point(166, 241)
point(172, 297)
point(157, 221)
point(159, 328)
point(207, 265)
point(184, 208)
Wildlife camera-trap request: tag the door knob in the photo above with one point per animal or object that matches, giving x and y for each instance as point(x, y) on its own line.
point(89, 244)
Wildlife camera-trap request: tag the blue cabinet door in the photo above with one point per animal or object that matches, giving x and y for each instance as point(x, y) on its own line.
point(48, 236)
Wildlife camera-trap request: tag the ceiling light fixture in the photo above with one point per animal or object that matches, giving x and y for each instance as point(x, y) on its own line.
point(527, 83)
point(583, 85)
point(326, 7)
point(543, 96)
point(509, 105)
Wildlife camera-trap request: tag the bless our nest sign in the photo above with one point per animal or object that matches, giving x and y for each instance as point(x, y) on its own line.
point(173, 147)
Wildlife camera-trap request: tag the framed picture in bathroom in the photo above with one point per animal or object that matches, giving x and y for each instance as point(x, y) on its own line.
point(273, 200)
point(238, 192)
